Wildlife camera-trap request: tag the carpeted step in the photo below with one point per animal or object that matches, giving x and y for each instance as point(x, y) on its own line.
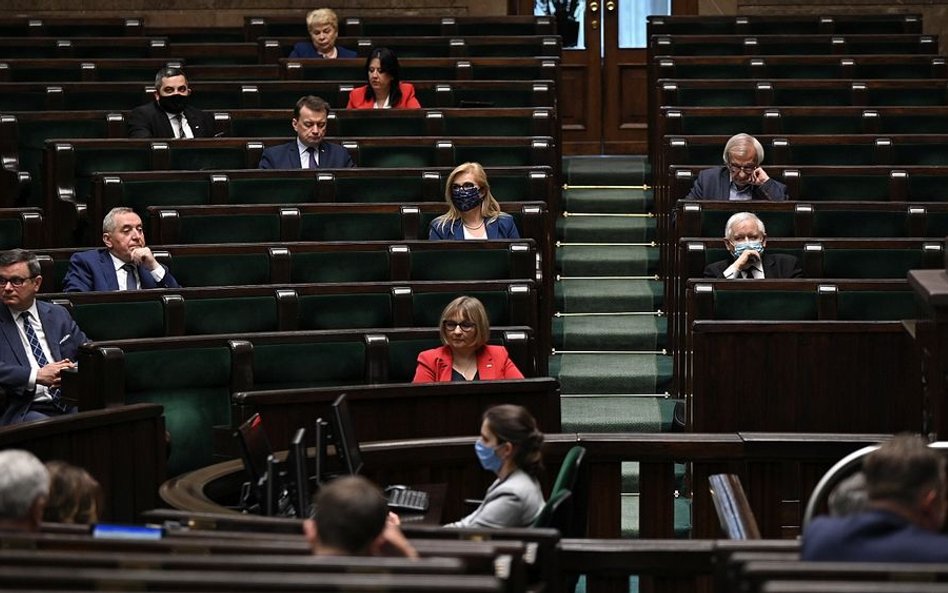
point(607, 260)
point(612, 373)
point(604, 199)
point(610, 332)
point(606, 170)
point(608, 296)
point(615, 413)
point(605, 229)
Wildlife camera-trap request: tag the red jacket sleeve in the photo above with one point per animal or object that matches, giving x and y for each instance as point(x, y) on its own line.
point(426, 371)
point(357, 98)
point(510, 370)
point(408, 96)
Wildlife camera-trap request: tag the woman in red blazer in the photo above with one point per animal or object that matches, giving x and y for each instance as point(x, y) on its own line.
point(385, 89)
point(465, 356)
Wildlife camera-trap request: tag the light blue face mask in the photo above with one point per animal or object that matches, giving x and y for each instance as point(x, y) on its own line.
point(488, 457)
point(743, 246)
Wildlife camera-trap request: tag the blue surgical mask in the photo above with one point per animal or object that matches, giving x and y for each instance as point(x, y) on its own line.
point(488, 457)
point(743, 246)
point(465, 198)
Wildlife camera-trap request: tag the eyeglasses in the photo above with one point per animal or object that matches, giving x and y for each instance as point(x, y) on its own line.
point(468, 186)
point(16, 281)
point(741, 168)
point(465, 326)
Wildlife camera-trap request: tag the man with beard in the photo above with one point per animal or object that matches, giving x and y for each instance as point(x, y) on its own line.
point(169, 115)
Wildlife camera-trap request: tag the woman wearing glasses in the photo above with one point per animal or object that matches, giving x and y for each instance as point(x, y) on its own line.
point(465, 355)
point(473, 212)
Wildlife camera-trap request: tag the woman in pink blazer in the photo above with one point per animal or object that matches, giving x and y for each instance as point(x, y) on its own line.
point(465, 355)
point(385, 89)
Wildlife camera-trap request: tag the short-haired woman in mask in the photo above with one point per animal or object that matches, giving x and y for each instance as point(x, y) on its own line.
point(465, 355)
point(509, 446)
point(473, 212)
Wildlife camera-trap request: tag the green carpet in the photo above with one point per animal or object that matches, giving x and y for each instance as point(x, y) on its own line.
point(605, 229)
point(616, 413)
point(607, 332)
point(605, 170)
point(605, 296)
point(606, 260)
point(611, 373)
point(611, 201)
point(630, 516)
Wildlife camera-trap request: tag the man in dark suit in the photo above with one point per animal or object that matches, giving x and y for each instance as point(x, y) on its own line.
point(309, 150)
point(745, 238)
point(906, 487)
point(169, 115)
point(124, 264)
point(741, 177)
point(37, 341)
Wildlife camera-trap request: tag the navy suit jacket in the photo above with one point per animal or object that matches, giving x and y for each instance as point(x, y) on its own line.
point(502, 227)
point(776, 265)
point(151, 121)
point(93, 271)
point(715, 184)
point(306, 49)
point(287, 156)
point(63, 337)
point(872, 536)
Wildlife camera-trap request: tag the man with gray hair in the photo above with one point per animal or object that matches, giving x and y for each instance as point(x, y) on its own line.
point(741, 177)
point(124, 264)
point(904, 514)
point(24, 490)
point(169, 115)
point(745, 238)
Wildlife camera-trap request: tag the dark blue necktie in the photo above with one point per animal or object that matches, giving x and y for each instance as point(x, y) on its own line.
point(38, 354)
point(131, 283)
point(311, 160)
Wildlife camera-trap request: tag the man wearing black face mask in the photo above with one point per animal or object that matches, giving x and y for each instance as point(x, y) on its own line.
point(169, 115)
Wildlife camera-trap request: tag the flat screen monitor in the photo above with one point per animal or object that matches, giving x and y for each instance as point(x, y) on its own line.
point(347, 445)
point(297, 476)
point(321, 434)
point(254, 447)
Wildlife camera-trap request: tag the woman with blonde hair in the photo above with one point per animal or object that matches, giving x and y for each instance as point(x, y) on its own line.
point(465, 355)
point(323, 27)
point(473, 211)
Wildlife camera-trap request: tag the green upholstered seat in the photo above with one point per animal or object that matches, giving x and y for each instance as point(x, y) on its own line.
point(364, 226)
point(400, 157)
point(221, 270)
point(403, 357)
point(233, 227)
point(928, 188)
point(193, 384)
point(11, 233)
point(289, 365)
point(476, 264)
point(271, 191)
point(765, 305)
point(858, 223)
point(870, 263)
point(118, 321)
point(345, 311)
point(379, 188)
point(843, 187)
point(352, 266)
point(230, 315)
point(877, 306)
point(139, 195)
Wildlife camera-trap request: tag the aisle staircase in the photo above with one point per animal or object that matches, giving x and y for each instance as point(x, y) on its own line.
point(609, 331)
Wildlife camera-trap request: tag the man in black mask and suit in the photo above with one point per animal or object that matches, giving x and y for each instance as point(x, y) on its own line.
point(169, 115)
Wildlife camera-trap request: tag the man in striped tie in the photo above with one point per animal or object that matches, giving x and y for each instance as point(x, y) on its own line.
point(38, 340)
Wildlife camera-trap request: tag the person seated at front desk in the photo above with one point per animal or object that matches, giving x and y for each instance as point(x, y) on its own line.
point(465, 355)
point(509, 446)
point(352, 519)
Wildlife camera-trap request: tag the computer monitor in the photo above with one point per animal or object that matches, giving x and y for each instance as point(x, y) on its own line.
point(321, 442)
point(347, 445)
point(272, 488)
point(254, 449)
point(297, 476)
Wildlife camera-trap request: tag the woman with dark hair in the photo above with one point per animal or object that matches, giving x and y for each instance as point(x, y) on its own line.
point(385, 88)
point(465, 355)
point(509, 446)
point(473, 212)
point(74, 495)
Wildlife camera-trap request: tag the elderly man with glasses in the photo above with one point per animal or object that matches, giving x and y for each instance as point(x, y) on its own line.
point(38, 340)
point(741, 177)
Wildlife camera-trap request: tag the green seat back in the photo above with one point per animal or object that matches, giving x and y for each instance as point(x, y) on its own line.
point(221, 270)
point(375, 126)
point(427, 307)
point(907, 97)
point(11, 233)
point(816, 124)
point(259, 128)
point(913, 124)
point(765, 305)
point(920, 154)
point(120, 321)
point(778, 224)
point(185, 158)
point(843, 187)
point(716, 97)
point(856, 223)
point(229, 228)
point(489, 126)
point(193, 384)
point(870, 263)
point(350, 266)
point(287, 366)
point(230, 315)
point(494, 156)
point(476, 264)
point(139, 195)
point(404, 157)
point(842, 154)
point(345, 311)
point(297, 190)
point(928, 188)
point(877, 306)
point(367, 226)
point(721, 125)
point(569, 470)
point(403, 357)
point(380, 188)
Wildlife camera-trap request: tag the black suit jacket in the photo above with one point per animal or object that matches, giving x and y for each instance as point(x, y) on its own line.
point(776, 265)
point(287, 156)
point(151, 121)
